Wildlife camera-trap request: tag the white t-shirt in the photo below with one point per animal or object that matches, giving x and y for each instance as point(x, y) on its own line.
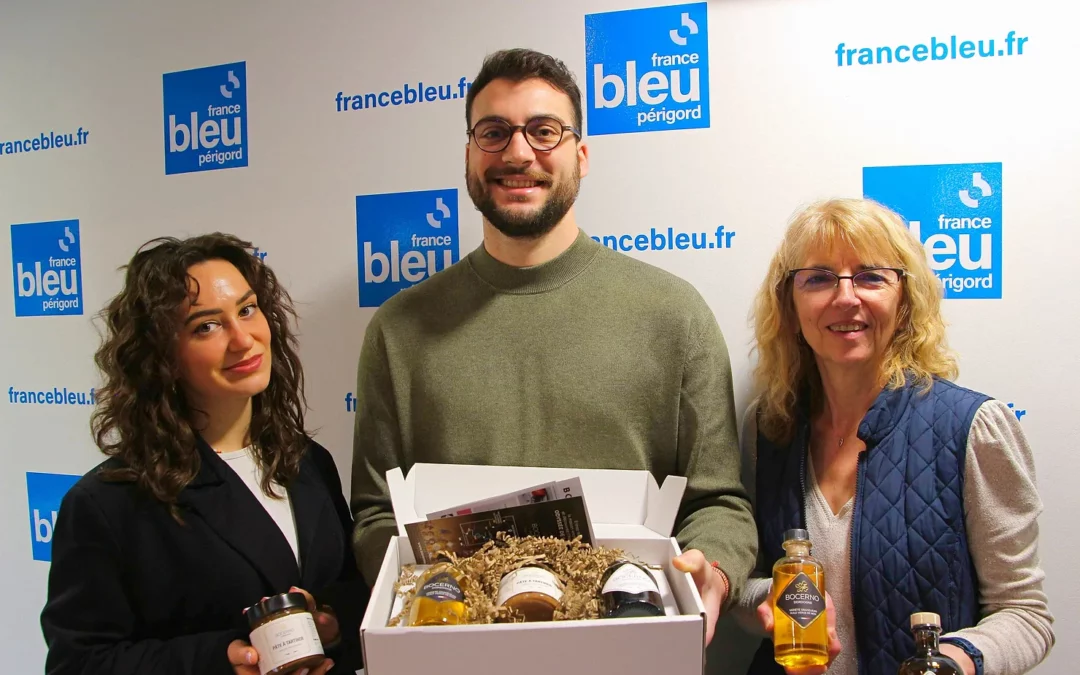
point(244, 463)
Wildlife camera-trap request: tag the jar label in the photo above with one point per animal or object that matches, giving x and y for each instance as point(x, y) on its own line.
point(285, 640)
point(630, 579)
point(442, 587)
point(801, 600)
point(529, 580)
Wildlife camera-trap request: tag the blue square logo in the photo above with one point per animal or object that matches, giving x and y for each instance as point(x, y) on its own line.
point(647, 69)
point(205, 118)
point(47, 267)
point(955, 211)
point(403, 238)
point(44, 492)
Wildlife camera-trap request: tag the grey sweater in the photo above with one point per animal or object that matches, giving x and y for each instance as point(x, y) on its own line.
point(1001, 505)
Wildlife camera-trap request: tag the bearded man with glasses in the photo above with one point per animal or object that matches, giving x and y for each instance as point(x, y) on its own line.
point(544, 348)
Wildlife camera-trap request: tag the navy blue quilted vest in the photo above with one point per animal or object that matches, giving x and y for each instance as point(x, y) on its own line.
point(909, 548)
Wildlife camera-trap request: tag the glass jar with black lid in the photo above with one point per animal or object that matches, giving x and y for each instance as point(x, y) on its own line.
point(283, 632)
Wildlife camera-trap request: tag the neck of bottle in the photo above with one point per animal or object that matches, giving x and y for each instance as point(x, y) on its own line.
point(798, 549)
point(926, 640)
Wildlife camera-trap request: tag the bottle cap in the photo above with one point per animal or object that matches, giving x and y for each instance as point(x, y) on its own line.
point(925, 619)
point(789, 535)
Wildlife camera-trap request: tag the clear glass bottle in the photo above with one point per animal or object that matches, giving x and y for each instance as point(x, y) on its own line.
point(439, 600)
point(800, 632)
point(927, 660)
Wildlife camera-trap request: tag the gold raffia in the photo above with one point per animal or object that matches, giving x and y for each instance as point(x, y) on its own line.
point(579, 566)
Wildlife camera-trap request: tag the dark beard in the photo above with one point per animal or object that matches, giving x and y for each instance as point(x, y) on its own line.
point(528, 226)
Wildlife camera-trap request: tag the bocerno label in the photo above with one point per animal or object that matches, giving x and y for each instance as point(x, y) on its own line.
point(441, 587)
point(801, 600)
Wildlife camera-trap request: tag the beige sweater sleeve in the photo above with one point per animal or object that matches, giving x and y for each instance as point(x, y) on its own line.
point(1002, 505)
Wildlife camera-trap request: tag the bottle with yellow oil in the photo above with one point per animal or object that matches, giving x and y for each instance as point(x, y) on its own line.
point(800, 633)
point(439, 599)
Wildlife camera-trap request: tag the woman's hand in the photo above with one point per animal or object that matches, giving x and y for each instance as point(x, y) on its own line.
point(765, 615)
point(244, 659)
point(325, 620)
point(958, 655)
point(712, 587)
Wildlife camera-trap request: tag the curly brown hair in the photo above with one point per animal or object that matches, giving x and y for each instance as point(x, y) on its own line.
point(142, 416)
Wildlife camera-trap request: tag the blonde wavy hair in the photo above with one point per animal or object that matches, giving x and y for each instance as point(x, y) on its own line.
point(786, 364)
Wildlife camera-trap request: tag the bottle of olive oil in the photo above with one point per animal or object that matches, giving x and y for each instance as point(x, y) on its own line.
point(800, 633)
point(927, 659)
point(439, 600)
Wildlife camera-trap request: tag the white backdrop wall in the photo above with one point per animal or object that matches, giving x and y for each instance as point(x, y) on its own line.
point(786, 121)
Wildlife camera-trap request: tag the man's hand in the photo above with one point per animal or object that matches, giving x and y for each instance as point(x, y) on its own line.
point(710, 584)
point(765, 615)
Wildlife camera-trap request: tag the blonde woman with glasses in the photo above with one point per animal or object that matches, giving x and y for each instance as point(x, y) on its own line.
point(918, 494)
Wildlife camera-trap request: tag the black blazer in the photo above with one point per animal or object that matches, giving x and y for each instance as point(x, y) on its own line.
point(132, 592)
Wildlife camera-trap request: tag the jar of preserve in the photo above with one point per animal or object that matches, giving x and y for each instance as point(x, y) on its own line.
point(534, 591)
point(283, 633)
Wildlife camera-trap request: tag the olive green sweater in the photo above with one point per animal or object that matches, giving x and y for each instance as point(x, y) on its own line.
point(591, 360)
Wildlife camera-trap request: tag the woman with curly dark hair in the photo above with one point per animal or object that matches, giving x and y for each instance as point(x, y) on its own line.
point(213, 495)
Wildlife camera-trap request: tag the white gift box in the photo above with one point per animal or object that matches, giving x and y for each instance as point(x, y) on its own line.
point(628, 511)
